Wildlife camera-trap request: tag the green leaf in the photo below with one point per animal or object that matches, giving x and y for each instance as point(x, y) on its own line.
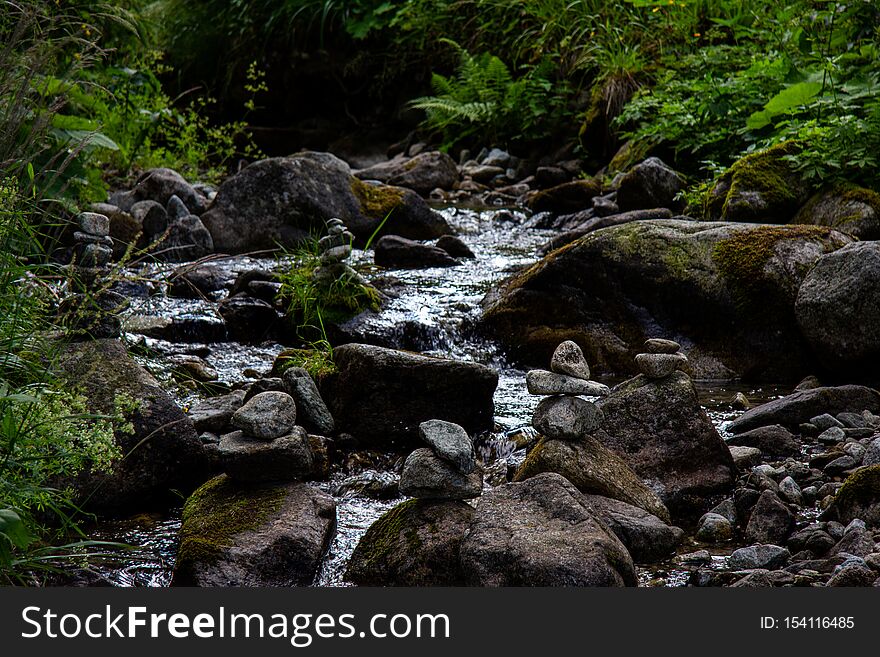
point(793, 96)
point(12, 527)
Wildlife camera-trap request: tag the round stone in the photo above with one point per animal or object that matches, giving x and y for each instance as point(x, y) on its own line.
point(659, 366)
point(568, 359)
point(566, 418)
point(661, 346)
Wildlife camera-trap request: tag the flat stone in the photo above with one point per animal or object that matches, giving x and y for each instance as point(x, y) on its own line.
point(336, 254)
point(451, 443)
point(542, 382)
point(568, 359)
point(566, 417)
point(94, 223)
point(330, 241)
point(661, 346)
point(771, 557)
point(266, 416)
point(245, 459)
point(427, 476)
point(745, 457)
point(659, 366)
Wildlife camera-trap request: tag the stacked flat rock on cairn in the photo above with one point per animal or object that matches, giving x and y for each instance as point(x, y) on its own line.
point(268, 445)
point(661, 359)
point(446, 469)
point(335, 249)
point(563, 414)
point(92, 309)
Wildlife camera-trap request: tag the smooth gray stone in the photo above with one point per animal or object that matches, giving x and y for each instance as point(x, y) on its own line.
point(566, 417)
point(94, 223)
point(568, 359)
point(542, 382)
point(427, 476)
point(661, 346)
point(266, 416)
point(659, 366)
point(451, 443)
point(309, 403)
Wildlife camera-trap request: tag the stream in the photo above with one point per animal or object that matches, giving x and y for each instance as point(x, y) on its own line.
point(431, 311)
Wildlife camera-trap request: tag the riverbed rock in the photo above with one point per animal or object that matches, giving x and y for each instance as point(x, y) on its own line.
point(772, 440)
point(568, 359)
point(312, 412)
point(215, 413)
point(194, 282)
point(542, 382)
point(423, 173)
point(251, 460)
point(248, 319)
point(592, 469)
point(726, 290)
point(395, 252)
point(771, 520)
point(282, 201)
point(858, 498)
point(455, 246)
point(163, 453)
point(759, 188)
point(838, 309)
point(771, 557)
point(567, 197)
point(427, 476)
point(451, 443)
point(566, 417)
point(650, 184)
point(266, 416)
point(380, 395)
point(793, 410)
point(714, 528)
point(161, 184)
point(847, 208)
point(664, 434)
point(187, 239)
point(542, 532)
point(417, 543)
point(234, 534)
point(646, 537)
point(584, 225)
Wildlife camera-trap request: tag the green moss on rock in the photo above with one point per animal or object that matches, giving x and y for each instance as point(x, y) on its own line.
point(383, 535)
point(376, 201)
point(859, 497)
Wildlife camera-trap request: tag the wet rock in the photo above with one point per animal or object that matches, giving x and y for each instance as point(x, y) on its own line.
point(365, 394)
point(215, 413)
point(423, 173)
point(417, 543)
point(838, 309)
point(176, 209)
point(858, 498)
point(592, 469)
point(770, 522)
point(826, 421)
point(856, 540)
point(659, 366)
point(792, 410)
point(248, 319)
point(745, 457)
point(455, 247)
point(714, 528)
point(282, 201)
point(541, 532)
point(266, 416)
point(244, 535)
point(646, 537)
point(393, 251)
point(252, 460)
point(568, 359)
point(163, 452)
point(311, 409)
point(186, 239)
point(566, 418)
point(664, 434)
point(542, 382)
point(451, 443)
point(579, 224)
point(567, 197)
point(190, 282)
point(151, 216)
point(872, 453)
point(266, 384)
point(846, 208)
point(772, 440)
point(727, 289)
point(769, 557)
point(812, 538)
point(853, 572)
point(427, 476)
point(831, 436)
point(791, 492)
point(661, 346)
point(370, 483)
point(650, 184)
point(160, 185)
point(727, 509)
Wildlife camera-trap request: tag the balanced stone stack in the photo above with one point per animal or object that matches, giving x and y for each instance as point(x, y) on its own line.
point(268, 446)
point(446, 469)
point(92, 309)
point(661, 358)
point(335, 248)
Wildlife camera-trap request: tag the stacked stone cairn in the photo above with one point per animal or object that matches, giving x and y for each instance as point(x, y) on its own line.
point(335, 248)
point(563, 414)
point(92, 309)
point(661, 359)
point(446, 469)
point(268, 446)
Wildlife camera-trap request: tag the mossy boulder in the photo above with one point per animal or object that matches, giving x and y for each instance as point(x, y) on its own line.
point(761, 187)
point(235, 534)
point(284, 201)
point(859, 497)
point(565, 198)
point(662, 432)
point(162, 453)
point(847, 208)
point(593, 469)
point(416, 543)
point(725, 291)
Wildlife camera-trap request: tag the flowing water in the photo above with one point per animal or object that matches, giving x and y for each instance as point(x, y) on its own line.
point(430, 310)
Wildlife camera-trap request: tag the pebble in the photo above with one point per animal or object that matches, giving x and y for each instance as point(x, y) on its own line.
point(659, 366)
point(542, 382)
point(568, 359)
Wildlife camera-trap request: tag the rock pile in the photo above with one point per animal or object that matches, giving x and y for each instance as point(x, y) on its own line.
point(661, 358)
point(335, 248)
point(447, 469)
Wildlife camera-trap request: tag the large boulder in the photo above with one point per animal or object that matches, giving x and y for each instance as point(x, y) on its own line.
point(646, 536)
point(797, 408)
point(283, 201)
point(267, 535)
point(666, 437)
point(838, 310)
point(542, 532)
point(423, 173)
point(380, 396)
point(593, 469)
point(416, 543)
point(162, 453)
point(759, 188)
point(847, 208)
point(650, 184)
point(725, 291)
